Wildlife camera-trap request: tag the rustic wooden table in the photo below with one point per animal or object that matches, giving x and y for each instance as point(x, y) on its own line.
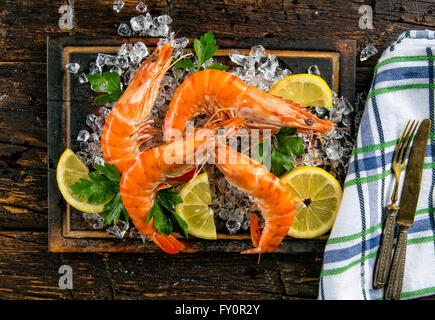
point(28, 270)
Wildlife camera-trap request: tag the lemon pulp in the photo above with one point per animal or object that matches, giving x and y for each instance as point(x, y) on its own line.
point(307, 90)
point(317, 196)
point(195, 208)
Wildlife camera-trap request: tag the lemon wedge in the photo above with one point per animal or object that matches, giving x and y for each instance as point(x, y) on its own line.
point(69, 170)
point(317, 196)
point(308, 90)
point(195, 208)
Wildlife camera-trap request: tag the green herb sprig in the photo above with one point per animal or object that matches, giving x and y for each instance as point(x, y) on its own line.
point(205, 48)
point(103, 184)
point(164, 213)
point(108, 83)
point(281, 156)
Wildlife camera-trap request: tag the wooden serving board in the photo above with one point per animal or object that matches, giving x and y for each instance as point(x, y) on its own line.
point(69, 102)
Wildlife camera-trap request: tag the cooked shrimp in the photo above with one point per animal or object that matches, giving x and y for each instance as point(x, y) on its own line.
point(217, 92)
point(128, 125)
point(160, 168)
point(271, 195)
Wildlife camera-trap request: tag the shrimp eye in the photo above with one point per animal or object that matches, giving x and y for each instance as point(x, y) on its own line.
point(309, 122)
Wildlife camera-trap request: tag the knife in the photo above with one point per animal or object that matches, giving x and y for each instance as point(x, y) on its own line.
point(408, 206)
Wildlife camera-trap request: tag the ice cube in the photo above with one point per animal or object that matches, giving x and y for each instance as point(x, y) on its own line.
point(84, 157)
point(233, 226)
point(116, 69)
point(141, 7)
point(208, 63)
point(241, 60)
point(94, 137)
point(124, 30)
point(257, 52)
point(281, 74)
point(101, 59)
point(110, 60)
point(90, 121)
point(181, 42)
point(82, 78)
point(124, 49)
point(83, 135)
point(164, 19)
point(122, 62)
point(98, 160)
point(104, 112)
point(72, 67)
point(367, 52)
point(177, 72)
point(138, 52)
point(84, 146)
point(94, 220)
point(117, 5)
point(314, 69)
point(333, 150)
point(119, 230)
point(141, 23)
point(94, 68)
point(160, 99)
point(246, 223)
point(268, 68)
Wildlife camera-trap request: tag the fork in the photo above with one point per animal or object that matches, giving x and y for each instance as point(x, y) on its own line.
point(385, 251)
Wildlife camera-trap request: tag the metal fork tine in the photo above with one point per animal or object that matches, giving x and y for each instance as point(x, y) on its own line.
point(403, 142)
point(407, 142)
point(399, 143)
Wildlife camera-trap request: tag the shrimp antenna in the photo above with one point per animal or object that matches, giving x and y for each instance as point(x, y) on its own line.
point(179, 58)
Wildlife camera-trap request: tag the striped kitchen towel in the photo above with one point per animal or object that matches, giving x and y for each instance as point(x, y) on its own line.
point(402, 89)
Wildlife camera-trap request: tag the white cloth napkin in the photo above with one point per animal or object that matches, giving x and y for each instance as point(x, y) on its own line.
point(402, 89)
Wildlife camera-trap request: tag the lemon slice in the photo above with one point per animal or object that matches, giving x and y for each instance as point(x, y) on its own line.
point(317, 196)
point(195, 208)
point(69, 170)
point(308, 90)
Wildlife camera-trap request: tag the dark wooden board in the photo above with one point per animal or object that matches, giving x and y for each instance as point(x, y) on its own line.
point(69, 102)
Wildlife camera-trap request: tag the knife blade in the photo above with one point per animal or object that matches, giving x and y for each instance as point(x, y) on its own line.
point(408, 206)
point(414, 171)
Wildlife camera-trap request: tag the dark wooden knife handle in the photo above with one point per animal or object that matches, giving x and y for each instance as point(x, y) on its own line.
point(395, 281)
point(383, 261)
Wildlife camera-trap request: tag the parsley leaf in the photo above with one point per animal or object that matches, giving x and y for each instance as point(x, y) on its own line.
point(103, 184)
point(109, 83)
point(218, 66)
point(163, 211)
point(185, 64)
point(109, 170)
point(114, 209)
point(281, 156)
point(161, 220)
point(97, 189)
point(204, 48)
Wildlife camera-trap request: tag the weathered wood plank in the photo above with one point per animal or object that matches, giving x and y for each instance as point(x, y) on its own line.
point(25, 24)
point(27, 270)
point(23, 104)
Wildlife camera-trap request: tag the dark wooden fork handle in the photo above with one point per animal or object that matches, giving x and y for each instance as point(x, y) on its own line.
point(383, 261)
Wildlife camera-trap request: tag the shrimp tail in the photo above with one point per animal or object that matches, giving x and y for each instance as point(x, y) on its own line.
point(256, 250)
point(167, 243)
point(255, 230)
